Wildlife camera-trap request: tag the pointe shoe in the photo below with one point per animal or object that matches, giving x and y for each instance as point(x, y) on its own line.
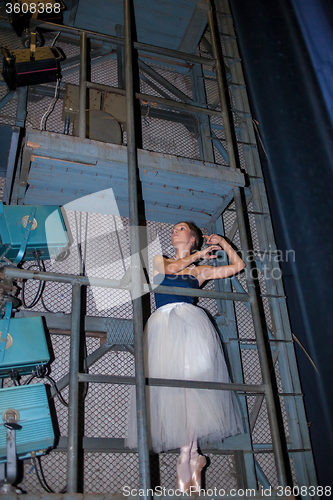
point(196, 466)
point(183, 477)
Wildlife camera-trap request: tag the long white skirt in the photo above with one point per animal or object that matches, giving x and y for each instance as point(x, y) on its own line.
point(181, 343)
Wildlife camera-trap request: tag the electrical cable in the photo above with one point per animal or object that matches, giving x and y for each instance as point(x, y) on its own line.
point(40, 289)
point(50, 108)
point(41, 476)
point(119, 245)
point(27, 382)
point(58, 393)
point(78, 239)
point(44, 486)
point(85, 246)
point(56, 38)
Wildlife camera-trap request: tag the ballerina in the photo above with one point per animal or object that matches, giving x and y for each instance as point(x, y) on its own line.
point(181, 343)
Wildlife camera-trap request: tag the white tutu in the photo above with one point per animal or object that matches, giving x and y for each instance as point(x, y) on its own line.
point(181, 343)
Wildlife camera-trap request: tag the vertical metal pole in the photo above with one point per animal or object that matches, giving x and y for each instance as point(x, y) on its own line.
point(221, 83)
point(135, 257)
point(120, 57)
point(272, 409)
point(73, 403)
point(83, 89)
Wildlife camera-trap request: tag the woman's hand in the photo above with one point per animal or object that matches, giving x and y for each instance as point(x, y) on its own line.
point(213, 239)
point(205, 253)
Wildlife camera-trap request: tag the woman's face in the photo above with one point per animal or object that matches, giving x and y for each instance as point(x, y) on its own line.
point(181, 233)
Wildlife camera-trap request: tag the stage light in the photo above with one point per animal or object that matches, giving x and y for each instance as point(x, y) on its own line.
point(33, 232)
point(30, 66)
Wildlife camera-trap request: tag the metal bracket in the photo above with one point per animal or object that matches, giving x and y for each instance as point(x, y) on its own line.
point(5, 328)
point(27, 231)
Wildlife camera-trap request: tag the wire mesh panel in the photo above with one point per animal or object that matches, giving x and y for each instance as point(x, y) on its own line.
point(163, 136)
point(54, 469)
point(267, 464)
point(109, 472)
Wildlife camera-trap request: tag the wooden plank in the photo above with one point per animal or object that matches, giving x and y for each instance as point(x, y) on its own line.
point(74, 148)
point(62, 176)
point(164, 196)
point(195, 29)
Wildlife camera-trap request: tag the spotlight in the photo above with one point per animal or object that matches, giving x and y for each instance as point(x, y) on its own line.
point(26, 430)
point(30, 66)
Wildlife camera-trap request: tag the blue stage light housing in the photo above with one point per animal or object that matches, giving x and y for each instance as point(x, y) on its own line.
point(27, 231)
point(25, 347)
point(29, 405)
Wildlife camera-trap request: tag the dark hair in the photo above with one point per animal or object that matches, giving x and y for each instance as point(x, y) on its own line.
point(196, 232)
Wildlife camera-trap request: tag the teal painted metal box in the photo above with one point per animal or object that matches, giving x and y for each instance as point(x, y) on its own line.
point(33, 413)
point(26, 346)
point(49, 234)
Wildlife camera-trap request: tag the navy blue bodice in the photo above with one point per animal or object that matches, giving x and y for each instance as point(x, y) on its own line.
point(181, 280)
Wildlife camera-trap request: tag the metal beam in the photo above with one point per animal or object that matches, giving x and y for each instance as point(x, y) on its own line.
point(168, 103)
point(75, 60)
point(120, 58)
point(195, 28)
point(83, 89)
point(219, 146)
point(13, 272)
point(164, 82)
point(73, 403)
point(199, 95)
point(227, 324)
point(136, 293)
point(119, 41)
point(12, 164)
point(159, 382)
point(21, 113)
point(154, 86)
point(90, 360)
point(5, 100)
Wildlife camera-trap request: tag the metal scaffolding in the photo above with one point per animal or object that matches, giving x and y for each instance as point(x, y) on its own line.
point(274, 344)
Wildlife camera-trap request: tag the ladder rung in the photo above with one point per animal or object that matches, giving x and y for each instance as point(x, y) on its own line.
point(113, 379)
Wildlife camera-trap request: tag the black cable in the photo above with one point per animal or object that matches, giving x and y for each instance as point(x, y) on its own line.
point(45, 482)
point(44, 486)
point(58, 393)
point(30, 379)
point(40, 287)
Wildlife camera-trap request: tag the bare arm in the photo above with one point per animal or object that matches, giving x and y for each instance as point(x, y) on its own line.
point(218, 272)
point(171, 266)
